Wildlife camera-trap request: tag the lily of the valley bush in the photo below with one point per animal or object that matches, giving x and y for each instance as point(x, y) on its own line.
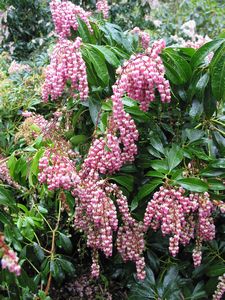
point(155, 112)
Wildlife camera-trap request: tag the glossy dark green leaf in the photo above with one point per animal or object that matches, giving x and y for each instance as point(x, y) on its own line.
point(154, 174)
point(219, 163)
point(109, 55)
point(160, 165)
point(218, 74)
point(148, 188)
point(157, 143)
point(215, 270)
point(6, 198)
point(67, 266)
point(65, 242)
point(193, 184)
point(174, 157)
point(144, 290)
point(34, 165)
point(216, 185)
point(209, 102)
point(78, 139)
point(38, 251)
point(175, 64)
point(54, 269)
point(98, 62)
point(199, 292)
point(199, 57)
point(126, 181)
point(94, 108)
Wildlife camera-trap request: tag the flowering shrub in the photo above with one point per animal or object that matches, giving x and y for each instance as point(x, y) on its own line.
point(124, 160)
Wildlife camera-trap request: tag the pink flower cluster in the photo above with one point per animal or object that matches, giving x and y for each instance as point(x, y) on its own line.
point(220, 289)
point(96, 214)
point(142, 74)
point(66, 64)
point(102, 6)
point(196, 42)
point(65, 14)
point(42, 125)
point(5, 175)
point(143, 36)
point(9, 258)
point(36, 125)
point(130, 238)
point(130, 244)
point(104, 155)
point(220, 205)
point(182, 217)
point(56, 170)
point(16, 68)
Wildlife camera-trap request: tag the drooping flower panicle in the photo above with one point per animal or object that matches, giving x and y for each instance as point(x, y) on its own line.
point(144, 37)
point(220, 289)
point(65, 15)
point(142, 75)
point(182, 217)
point(102, 6)
point(66, 64)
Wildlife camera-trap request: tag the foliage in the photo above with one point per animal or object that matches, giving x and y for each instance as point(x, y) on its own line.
point(138, 12)
point(207, 14)
point(181, 143)
point(22, 36)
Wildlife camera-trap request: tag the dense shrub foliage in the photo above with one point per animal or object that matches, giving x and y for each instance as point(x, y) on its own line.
point(112, 162)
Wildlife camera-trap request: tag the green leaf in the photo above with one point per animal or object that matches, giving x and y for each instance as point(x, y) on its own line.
point(67, 266)
point(11, 164)
point(148, 188)
point(98, 62)
point(38, 252)
point(126, 181)
point(4, 218)
point(35, 162)
point(193, 184)
point(84, 32)
point(157, 143)
point(215, 185)
point(178, 69)
point(209, 102)
point(65, 242)
point(201, 85)
point(160, 165)
point(94, 108)
point(170, 277)
point(78, 139)
point(194, 134)
point(144, 290)
point(174, 157)
point(219, 163)
point(199, 57)
point(215, 270)
point(6, 198)
point(196, 109)
point(55, 269)
point(155, 174)
point(198, 292)
point(218, 74)
point(109, 55)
